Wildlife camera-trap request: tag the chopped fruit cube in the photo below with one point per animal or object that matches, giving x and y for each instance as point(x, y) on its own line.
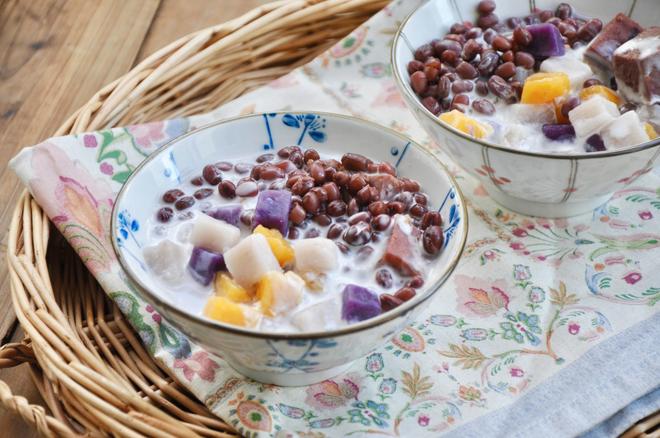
point(319, 317)
point(546, 40)
point(650, 131)
point(250, 260)
point(545, 87)
point(592, 115)
point(637, 67)
point(466, 124)
point(576, 70)
point(359, 303)
point(400, 253)
point(278, 244)
point(278, 293)
point(387, 185)
point(166, 260)
point(315, 255)
point(225, 286)
point(599, 52)
point(602, 90)
point(213, 234)
point(204, 264)
point(228, 213)
point(626, 130)
point(272, 210)
point(224, 310)
point(525, 113)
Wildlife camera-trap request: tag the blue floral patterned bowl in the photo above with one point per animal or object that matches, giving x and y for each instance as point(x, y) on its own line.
point(284, 359)
point(533, 183)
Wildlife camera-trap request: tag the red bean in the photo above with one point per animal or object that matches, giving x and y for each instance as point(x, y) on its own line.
point(506, 70)
point(482, 88)
point(488, 63)
point(323, 220)
point(381, 222)
point(336, 230)
point(470, 50)
point(466, 71)
point(522, 36)
point(311, 154)
point(184, 202)
point(171, 196)
point(395, 207)
point(247, 187)
point(413, 66)
point(378, 207)
point(297, 159)
point(311, 203)
point(524, 59)
point(417, 210)
point(500, 88)
point(589, 30)
point(410, 185)
point(569, 105)
point(485, 7)
point(358, 234)
point(483, 106)
point(352, 207)
point(405, 293)
point(546, 15)
point(419, 82)
point(500, 43)
point(430, 218)
point(460, 102)
point(342, 179)
point(270, 172)
point(384, 278)
point(362, 216)
point(286, 151)
point(203, 193)
point(432, 239)
point(302, 186)
point(165, 214)
point(336, 208)
point(432, 104)
point(444, 84)
point(265, 157)
point(356, 183)
point(297, 214)
point(389, 302)
point(591, 82)
point(423, 52)
point(564, 11)
point(487, 21)
point(197, 181)
point(212, 174)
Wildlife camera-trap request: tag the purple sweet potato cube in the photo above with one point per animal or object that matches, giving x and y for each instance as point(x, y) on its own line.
point(359, 303)
point(228, 213)
point(272, 210)
point(204, 264)
point(600, 50)
point(594, 143)
point(558, 131)
point(546, 40)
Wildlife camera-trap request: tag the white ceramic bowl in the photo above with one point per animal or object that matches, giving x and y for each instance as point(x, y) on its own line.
point(284, 359)
point(550, 185)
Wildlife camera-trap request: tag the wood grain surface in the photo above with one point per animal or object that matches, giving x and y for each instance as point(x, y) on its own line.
point(54, 55)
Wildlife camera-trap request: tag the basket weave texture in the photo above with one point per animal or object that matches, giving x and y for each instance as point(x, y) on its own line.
point(91, 369)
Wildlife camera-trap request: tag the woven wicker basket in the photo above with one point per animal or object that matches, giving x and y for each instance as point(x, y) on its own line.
point(86, 361)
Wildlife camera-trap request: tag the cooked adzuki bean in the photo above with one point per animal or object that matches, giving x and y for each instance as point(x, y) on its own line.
point(414, 66)
point(184, 202)
point(500, 88)
point(323, 220)
point(362, 216)
point(501, 44)
point(171, 196)
point(506, 70)
point(384, 278)
point(389, 302)
point(466, 71)
point(487, 21)
point(203, 193)
point(336, 230)
point(488, 63)
point(430, 218)
point(358, 234)
point(212, 174)
point(265, 157)
point(460, 102)
point(524, 59)
point(486, 7)
point(432, 239)
point(243, 168)
point(381, 222)
point(247, 187)
point(197, 181)
point(483, 106)
point(405, 293)
point(522, 36)
point(165, 214)
point(297, 214)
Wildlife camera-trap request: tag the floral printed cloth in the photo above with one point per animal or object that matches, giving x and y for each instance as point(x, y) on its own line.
point(531, 302)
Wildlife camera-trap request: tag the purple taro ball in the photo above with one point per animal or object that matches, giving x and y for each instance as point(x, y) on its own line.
point(546, 40)
point(204, 264)
point(558, 131)
point(228, 213)
point(359, 303)
point(272, 210)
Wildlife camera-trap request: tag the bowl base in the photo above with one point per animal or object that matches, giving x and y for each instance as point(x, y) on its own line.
point(290, 379)
point(546, 210)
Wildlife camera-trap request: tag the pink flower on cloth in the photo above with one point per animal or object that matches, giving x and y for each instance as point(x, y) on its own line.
point(331, 394)
point(199, 364)
point(77, 203)
point(480, 297)
point(148, 134)
point(632, 277)
point(389, 96)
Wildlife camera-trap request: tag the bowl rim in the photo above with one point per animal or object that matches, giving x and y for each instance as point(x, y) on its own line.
point(148, 295)
point(399, 37)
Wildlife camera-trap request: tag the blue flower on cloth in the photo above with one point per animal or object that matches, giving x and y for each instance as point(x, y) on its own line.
point(521, 326)
point(366, 413)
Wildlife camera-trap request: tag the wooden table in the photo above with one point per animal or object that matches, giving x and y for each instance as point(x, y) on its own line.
point(54, 54)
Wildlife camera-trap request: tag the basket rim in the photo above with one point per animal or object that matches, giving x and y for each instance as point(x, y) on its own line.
point(353, 328)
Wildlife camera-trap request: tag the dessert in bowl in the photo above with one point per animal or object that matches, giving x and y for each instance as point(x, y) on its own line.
point(290, 244)
point(551, 109)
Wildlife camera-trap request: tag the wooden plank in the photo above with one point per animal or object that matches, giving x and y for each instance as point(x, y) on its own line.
point(177, 18)
point(54, 55)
